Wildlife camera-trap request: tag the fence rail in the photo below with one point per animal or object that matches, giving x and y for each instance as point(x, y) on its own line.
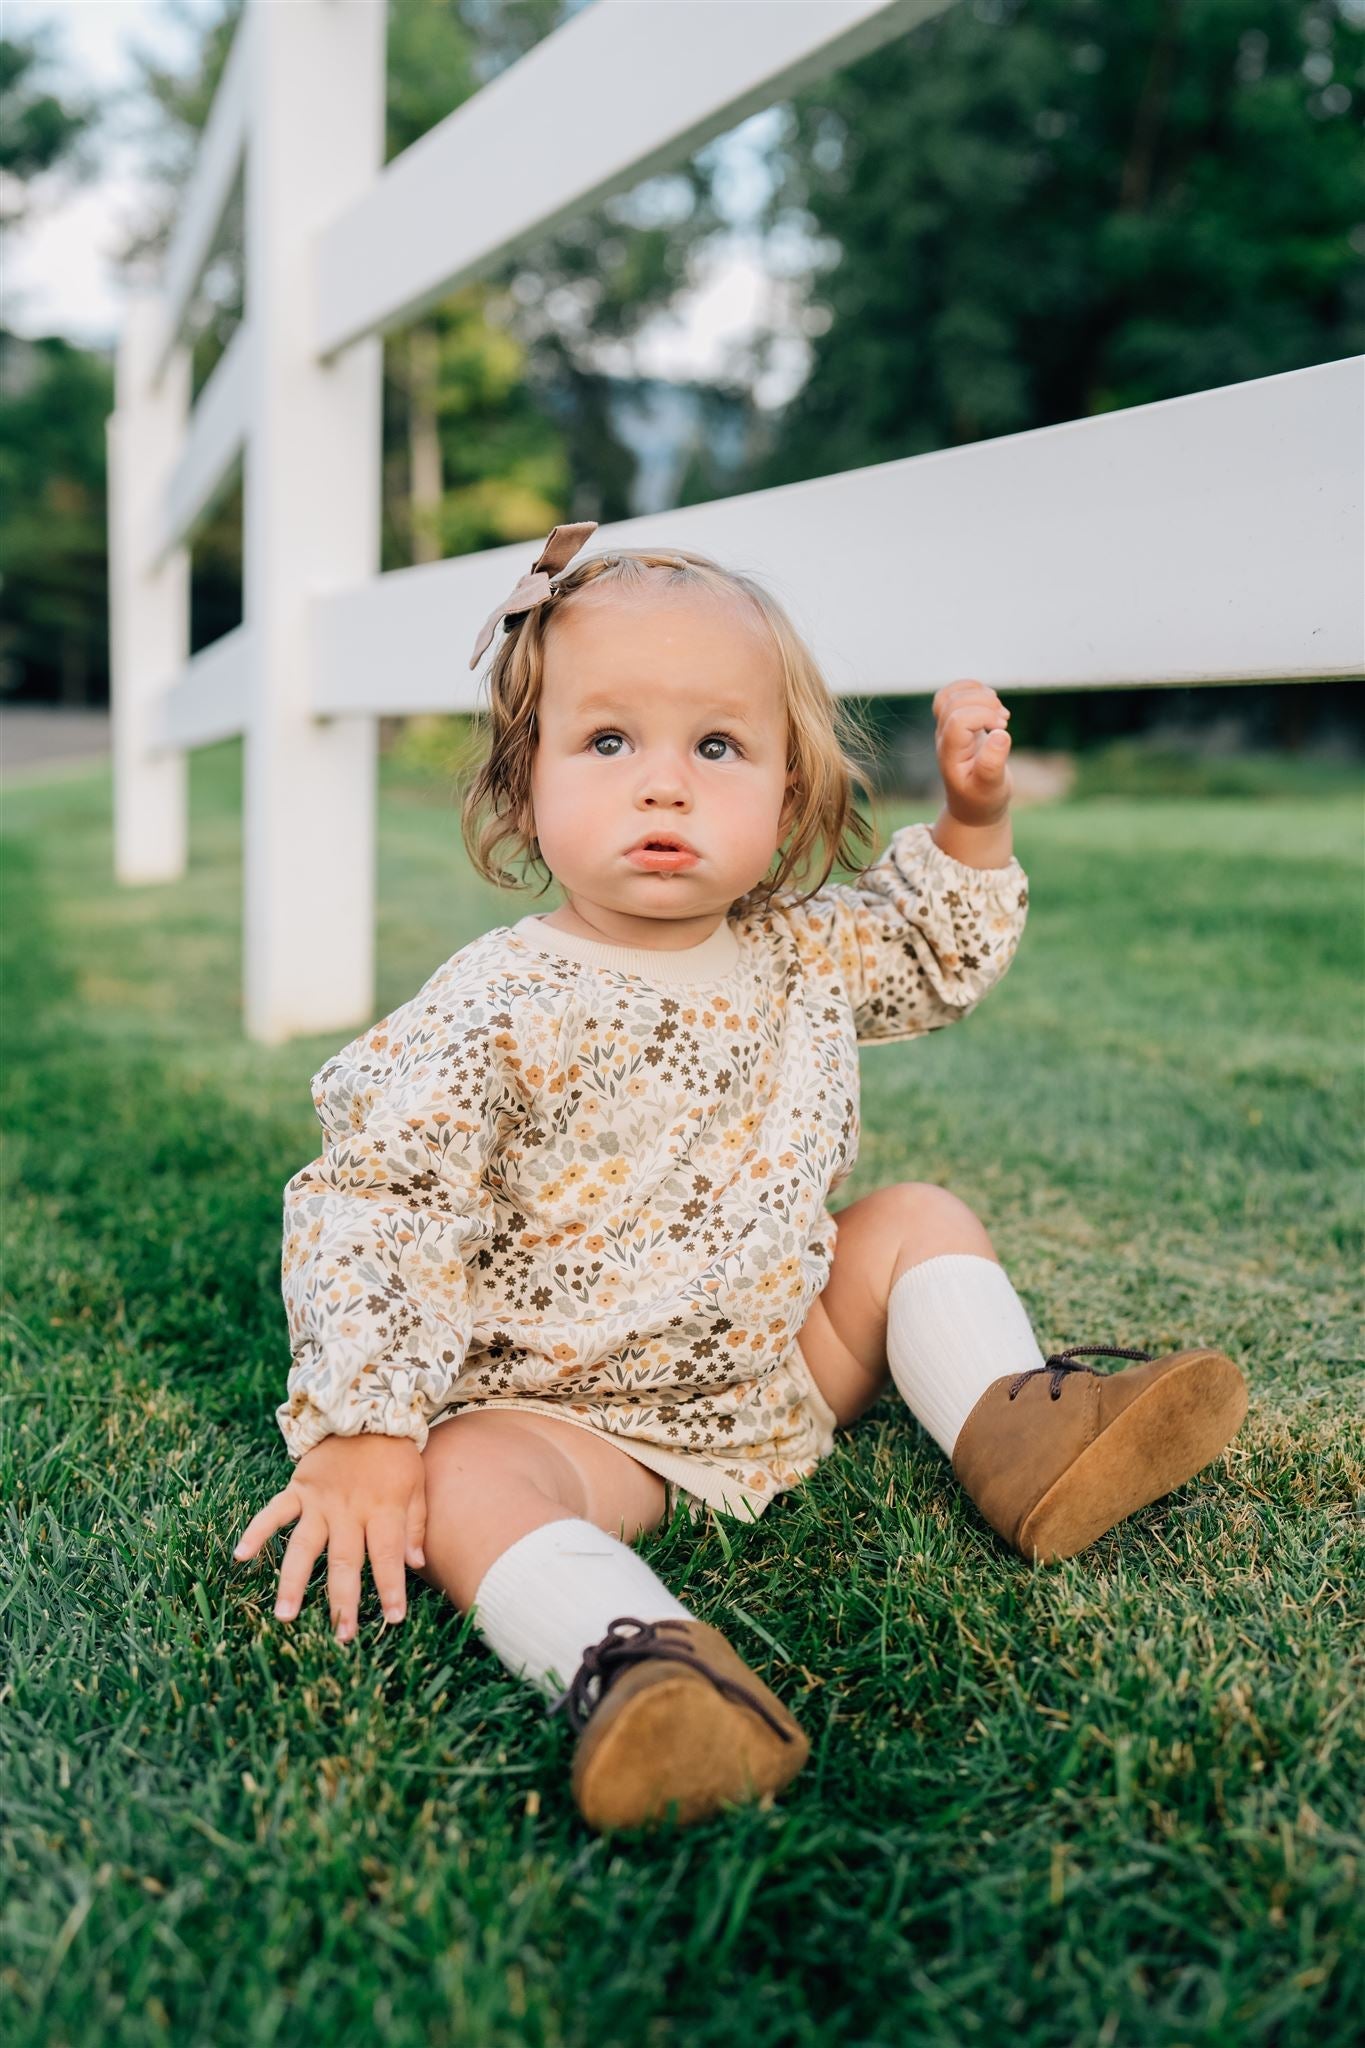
point(1217, 537)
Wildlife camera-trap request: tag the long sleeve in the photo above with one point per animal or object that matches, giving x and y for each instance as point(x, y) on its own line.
point(919, 937)
point(378, 1230)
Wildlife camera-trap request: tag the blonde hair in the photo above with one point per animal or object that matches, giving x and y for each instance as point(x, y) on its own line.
point(823, 734)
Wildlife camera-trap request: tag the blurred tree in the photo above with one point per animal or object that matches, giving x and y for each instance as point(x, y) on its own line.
point(39, 131)
point(1028, 211)
point(497, 420)
point(53, 402)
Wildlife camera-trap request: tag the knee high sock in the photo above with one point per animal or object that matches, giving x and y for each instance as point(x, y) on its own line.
point(954, 1324)
point(555, 1590)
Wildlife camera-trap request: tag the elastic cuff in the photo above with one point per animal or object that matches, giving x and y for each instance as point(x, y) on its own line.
point(987, 881)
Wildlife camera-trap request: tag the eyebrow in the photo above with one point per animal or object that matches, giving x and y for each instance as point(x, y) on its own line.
point(592, 707)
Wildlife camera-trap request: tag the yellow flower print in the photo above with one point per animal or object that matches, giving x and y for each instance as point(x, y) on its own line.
point(535, 1075)
point(637, 1086)
point(584, 1129)
point(767, 1283)
point(573, 1173)
point(786, 1159)
point(594, 1243)
point(789, 1268)
point(615, 1171)
point(733, 1139)
point(593, 1193)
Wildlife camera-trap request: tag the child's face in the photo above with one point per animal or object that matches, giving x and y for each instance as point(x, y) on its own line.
point(659, 712)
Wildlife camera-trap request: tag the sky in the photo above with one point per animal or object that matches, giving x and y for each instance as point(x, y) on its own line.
point(60, 277)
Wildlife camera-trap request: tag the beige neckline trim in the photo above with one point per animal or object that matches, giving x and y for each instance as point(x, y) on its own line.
point(715, 959)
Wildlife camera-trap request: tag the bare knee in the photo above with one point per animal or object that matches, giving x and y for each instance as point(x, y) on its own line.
point(929, 1221)
point(492, 1478)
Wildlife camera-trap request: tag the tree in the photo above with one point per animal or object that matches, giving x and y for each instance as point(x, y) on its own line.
point(53, 402)
point(497, 420)
point(1034, 210)
point(38, 130)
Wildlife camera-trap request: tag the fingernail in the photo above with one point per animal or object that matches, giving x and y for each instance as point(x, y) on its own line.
point(419, 1556)
point(284, 1611)
point(393, 1614)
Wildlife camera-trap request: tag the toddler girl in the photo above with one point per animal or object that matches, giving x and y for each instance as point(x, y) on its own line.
point(565, 1260)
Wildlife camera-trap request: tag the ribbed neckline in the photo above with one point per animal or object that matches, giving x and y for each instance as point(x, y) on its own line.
point(713, 960)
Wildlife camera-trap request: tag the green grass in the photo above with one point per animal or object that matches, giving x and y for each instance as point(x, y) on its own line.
point(1114, 1801)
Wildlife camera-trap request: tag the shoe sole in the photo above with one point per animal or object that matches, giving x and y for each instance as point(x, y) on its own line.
point(1171, 1431)
point(680, 1744)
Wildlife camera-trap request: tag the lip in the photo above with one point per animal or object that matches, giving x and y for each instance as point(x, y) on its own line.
point(662, 861)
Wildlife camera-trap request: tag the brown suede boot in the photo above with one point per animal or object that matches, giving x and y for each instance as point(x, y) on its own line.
point(678, 1726)
point(1055, 1456)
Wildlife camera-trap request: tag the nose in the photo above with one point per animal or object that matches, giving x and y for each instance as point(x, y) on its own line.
point(663, 787)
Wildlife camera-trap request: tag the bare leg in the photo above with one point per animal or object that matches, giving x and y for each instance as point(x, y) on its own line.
point(491, 1479)
point(844, 1338)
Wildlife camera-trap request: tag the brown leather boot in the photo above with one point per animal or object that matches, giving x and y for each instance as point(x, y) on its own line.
point(1055, 1456)
point(677, 1728)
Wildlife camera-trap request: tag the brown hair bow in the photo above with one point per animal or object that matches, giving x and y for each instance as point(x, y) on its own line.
point(534, 587)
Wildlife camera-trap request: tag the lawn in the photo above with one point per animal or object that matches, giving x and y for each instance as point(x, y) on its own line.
point(1117, 1800)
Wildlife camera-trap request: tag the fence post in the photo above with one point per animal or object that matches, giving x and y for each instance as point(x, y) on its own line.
point(311, 523)
point(149, 607)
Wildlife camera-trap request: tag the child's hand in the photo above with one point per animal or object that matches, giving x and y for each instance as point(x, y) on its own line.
point(352, 1493)
point(973, 745)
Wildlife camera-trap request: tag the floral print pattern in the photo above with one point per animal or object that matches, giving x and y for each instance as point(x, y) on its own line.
point(549, 1182)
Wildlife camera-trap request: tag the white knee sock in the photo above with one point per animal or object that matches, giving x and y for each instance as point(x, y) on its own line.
point(954, 1324)
point(555, 1590)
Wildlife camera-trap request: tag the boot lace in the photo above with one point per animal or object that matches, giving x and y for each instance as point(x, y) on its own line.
point(606, 1660)
point(1063, 1362)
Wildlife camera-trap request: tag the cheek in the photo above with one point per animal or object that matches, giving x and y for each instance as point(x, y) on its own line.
point(757, 823)
point(562, 796)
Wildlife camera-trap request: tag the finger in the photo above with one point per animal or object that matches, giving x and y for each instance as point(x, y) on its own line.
point(975, 701)
point(953, 689)
point(345, 1555)
point(966, 689)
point(277, 1512)
point(989, 766)
point(958, 736)
point(301, 1553)
point(417, 1524)
point(384, 1541)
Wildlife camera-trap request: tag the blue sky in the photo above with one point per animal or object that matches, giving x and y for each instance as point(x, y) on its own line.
point(60, 276)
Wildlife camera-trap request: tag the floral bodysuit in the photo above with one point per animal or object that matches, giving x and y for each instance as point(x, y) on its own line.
point(591, 1180)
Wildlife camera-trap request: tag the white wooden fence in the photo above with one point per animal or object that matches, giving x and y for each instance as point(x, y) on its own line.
point(1216, 537)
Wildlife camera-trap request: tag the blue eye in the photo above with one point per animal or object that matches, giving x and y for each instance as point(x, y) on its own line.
point(609, 732)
